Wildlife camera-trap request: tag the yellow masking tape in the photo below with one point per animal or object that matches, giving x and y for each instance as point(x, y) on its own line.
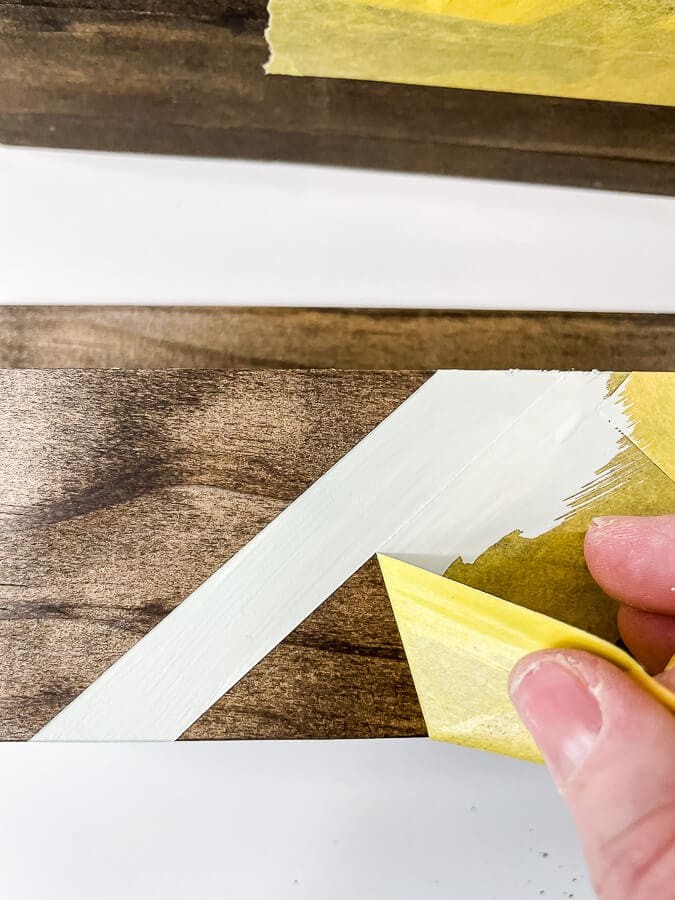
point(498, 12)
point(649, 402)
point(462, 643)
point(596, 49)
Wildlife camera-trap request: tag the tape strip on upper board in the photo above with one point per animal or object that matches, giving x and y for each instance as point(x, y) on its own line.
point(623, 50)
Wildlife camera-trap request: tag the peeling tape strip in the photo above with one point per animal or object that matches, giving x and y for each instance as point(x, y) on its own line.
point(462, 643)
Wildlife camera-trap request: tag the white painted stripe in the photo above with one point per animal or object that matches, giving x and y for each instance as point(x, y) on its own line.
point(361, 505)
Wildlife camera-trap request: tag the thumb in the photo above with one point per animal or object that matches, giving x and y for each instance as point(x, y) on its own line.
point(610, 748)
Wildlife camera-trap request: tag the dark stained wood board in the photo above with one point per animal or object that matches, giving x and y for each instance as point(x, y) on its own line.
point(121, 491)
point(185, 76)
point(220, 337)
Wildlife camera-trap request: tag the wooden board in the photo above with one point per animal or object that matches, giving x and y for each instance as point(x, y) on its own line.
point(216, 337)
point(120, 492)
point(185, 76)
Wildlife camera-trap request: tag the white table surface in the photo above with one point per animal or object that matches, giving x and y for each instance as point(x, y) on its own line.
point(329, 820)
point(108, 227)
point(406, 819)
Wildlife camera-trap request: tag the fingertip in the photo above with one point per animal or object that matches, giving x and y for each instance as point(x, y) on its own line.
point(609, 746)
point(632, 558)
point(526, 665)
point(553, 694)
point(576, 659)
point(560, 692)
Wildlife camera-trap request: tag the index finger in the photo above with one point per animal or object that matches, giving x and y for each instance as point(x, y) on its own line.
point(632, 558)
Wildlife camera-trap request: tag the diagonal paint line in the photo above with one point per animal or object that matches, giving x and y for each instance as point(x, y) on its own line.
point(181, 667)
point(212, 639)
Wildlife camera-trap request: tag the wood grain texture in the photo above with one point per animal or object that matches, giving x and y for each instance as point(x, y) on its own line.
point(120, 492)
point(219, 337)
point(185, 76)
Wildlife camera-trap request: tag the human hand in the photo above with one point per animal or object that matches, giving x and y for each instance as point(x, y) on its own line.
point(610, 746)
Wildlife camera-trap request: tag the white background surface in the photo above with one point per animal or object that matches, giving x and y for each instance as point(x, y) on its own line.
point(380, 819)
point(107, 227)
point(338, 820)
